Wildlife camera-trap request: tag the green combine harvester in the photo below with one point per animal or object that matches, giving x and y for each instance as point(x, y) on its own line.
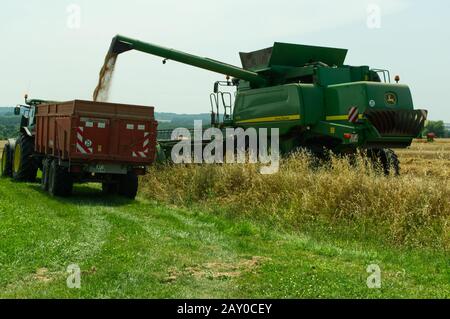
point(316, 101)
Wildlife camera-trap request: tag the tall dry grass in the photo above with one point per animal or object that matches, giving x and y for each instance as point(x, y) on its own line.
point(408, 210)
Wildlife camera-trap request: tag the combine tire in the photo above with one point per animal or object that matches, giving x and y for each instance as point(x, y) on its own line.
point(6, 163)
point(384, 161)
point(128, 185)
point(24, 166)
point(60, 182)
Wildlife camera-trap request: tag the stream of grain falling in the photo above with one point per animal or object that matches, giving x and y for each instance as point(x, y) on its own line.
point(101, 93)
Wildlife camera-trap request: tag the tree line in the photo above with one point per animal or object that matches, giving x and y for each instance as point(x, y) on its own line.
point(436, 127)
point(9, 126)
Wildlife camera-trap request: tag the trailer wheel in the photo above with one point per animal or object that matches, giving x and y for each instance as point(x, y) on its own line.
point(384, 161)
point(6, 165)
point(128, 185)
point(24, 166)
point(45, 174)
point(60, 182)
point(110, 188)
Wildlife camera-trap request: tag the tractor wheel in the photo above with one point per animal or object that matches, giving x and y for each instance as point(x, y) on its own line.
point(24, 166)
point(45, 174)
point(384, 161)
point(128, 185)
point(60, 182)
point(6, 165)
point(110, 188)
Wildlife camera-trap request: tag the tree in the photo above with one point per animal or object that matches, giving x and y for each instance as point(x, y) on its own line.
point(436, 127)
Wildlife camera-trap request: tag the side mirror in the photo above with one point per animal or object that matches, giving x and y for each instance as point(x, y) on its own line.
point(216, 87)
point(17, 110)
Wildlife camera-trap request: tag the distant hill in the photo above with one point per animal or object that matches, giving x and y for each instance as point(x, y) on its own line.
point(6, 111)
point(161, 116)
point(173, 120)
point(9, 123)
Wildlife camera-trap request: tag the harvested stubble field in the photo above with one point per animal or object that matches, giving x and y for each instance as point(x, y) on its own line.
point(425, 159)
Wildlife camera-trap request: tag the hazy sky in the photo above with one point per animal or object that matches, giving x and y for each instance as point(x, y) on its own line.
point(46, 53)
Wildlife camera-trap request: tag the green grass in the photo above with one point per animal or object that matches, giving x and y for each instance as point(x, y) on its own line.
point(144, 249)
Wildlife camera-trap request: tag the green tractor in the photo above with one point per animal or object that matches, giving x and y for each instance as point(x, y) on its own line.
point(316, 101)
point(17, 158)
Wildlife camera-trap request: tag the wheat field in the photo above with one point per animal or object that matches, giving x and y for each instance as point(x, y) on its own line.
point(426, 159)
point(421, 159)
point(411, 210)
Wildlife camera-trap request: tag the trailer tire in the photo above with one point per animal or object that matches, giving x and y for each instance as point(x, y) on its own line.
point(128, 185)
point(110, 188)
point(60, 182)
point(6, 163)
point(45, 174)
point(24, 166)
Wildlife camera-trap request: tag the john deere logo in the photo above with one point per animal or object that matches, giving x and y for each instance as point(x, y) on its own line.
point(391, 98)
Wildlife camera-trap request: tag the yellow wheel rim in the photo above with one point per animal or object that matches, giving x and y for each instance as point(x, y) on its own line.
point(3, 168)
point(17, 158)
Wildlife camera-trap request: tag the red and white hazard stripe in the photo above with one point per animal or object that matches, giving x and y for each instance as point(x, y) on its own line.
point(353, 114)
point(81, 147)
point(144, 151)
point(139, 154)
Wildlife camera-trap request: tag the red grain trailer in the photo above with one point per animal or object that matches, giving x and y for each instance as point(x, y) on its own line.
point(84, 141)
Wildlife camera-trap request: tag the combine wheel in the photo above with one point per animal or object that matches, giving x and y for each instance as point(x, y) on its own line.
point(128, 185)
point(24, 166)
point(60, 182)
point(6, 163)
point(384, 161)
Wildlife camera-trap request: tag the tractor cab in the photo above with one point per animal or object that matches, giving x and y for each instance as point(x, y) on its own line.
point(28, 112)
